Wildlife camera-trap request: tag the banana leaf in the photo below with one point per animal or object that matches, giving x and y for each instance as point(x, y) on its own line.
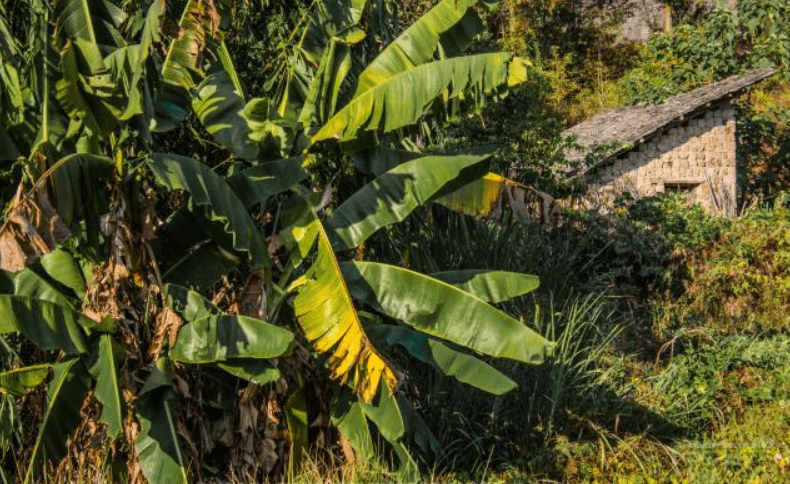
point(70, 382)
point(219, 338)
point(209, 190)
point(487, 196)
point(157, 445)
point(391, 197)
point(218, 105)
point(418, 43)
point(48, 325)
point(402, 99)
point(257, 184)
point(348, 416)
point(327, 316)
point(257, 371)
point(446, 312)
point(19, 381)
point(490, 286)
point(109, 355)
point(461, 366)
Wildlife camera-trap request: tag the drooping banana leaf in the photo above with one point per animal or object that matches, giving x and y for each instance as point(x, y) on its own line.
point(201, 268)
point(327, 21)
point(298, 427)
point(108, 389)
point(19, 381)
point(402, 99)
point(418, 43)
point(490, 286)
point(219, 338)
point(332, 19)
point(391, 197)
point(380, 159)
point(257, 371)
point(257, 184)
point(77, 180)
point(157, 446)
point(75, 18)
point(9, 45)
point(70, 383)
point(444, 311)
point(385, 413)
point(325, 87)
point(194, 251)
point(327, 316)
point(191, 305)
point(209, 190)
point(461, 366)
point(31, 285)
point(487, 196)
point(182, 68)
point(48, 325)
point(62, 267)
point(348, 416)
point(85, 91)
point(218, 105)
point(274, 135)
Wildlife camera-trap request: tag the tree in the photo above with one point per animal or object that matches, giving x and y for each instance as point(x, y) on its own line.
point(116, 256)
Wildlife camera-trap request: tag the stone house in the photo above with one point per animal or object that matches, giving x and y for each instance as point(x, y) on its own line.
point(685, 144)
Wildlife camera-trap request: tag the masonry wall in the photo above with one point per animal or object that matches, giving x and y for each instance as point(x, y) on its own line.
point(696, 157)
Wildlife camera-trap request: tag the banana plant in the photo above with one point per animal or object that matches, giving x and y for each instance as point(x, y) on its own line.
point(131, 293)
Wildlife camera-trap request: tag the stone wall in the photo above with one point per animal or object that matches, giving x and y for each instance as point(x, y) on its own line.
point(696, 157)
point(646, 17)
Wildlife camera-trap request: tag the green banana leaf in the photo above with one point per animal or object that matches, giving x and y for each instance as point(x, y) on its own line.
point(327, 21)
point(201, 268)
point(70, 382)
point(348, 416)
point(218, 105)
point(461, 366)
point(182, 67)
point(332, 19)
point(490, 286)
point(88, 91)
point(402, 99)
point(192, 250)
point(19, 381)
point(191, 305)
point(275, 135)
point(391, 197)
point(62, 267)
point(76, 182)
point(157, 446)
point(31, 285)
point(218, 338)
point(385, 413)
point(325, 87)
point(108, 389)
point(209, 190)
point(380, 159)
point(48, 325)
point(298, 427)
point(257, 371)
point(257, 184)
point(418, 43)
point(76, 19)
point(443, 311)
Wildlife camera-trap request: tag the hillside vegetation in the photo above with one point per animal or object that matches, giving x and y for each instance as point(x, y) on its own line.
point(252, 241)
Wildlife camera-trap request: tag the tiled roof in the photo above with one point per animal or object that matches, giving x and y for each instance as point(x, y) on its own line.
point(635, 124)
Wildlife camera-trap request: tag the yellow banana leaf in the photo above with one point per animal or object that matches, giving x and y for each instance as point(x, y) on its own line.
point(330, 322)
point(485, 198)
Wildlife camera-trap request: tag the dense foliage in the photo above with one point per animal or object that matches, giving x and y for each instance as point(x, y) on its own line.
point(175, 254)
